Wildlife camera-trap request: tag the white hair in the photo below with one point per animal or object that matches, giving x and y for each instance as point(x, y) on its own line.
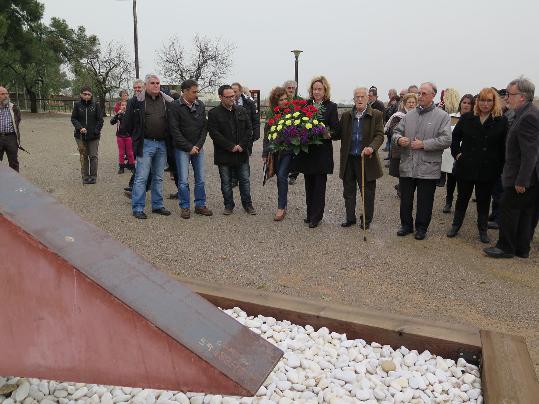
point(151, 76)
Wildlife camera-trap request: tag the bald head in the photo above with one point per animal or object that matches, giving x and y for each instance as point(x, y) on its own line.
point(4, 96)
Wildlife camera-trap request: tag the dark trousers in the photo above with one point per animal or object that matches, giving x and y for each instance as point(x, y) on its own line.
point(425, 199)
point(351, 181)
point(482, 195)
point(315, 196)
point(88, 158)
point(8, 144)
point(450, 185)
point(517, 212)
point(243, 172)
point(496, 194)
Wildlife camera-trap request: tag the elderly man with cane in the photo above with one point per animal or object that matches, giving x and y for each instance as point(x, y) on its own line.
point(361, 131)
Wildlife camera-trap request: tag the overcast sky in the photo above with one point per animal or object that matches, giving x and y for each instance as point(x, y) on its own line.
point(462, 44)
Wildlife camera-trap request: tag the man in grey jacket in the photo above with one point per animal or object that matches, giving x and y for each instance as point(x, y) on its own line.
point(520, 176)
point(422, 135)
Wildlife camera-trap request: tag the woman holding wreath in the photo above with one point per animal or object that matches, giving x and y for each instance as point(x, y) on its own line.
point(317, 163)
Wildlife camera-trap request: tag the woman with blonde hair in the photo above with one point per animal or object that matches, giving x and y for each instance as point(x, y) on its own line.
point(318, 162)
point(478, 147)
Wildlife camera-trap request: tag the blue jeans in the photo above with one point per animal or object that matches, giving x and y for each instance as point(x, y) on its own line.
point(182, 164)
point(283, 166)
point(154, 157)
point(225, 172)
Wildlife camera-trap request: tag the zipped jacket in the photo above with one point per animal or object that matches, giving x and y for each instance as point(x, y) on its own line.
point(87, 115)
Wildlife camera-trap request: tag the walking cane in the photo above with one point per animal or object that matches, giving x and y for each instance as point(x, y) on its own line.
point(363, 196)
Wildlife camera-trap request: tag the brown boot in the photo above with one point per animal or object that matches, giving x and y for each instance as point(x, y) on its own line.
point(185, 213)
point(281, 213)
point(203, 210)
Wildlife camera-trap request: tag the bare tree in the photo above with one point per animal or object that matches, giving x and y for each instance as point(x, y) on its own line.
point(208, 63)
point(107, 70)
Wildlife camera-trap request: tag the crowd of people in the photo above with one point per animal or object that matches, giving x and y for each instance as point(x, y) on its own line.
point(492, 147)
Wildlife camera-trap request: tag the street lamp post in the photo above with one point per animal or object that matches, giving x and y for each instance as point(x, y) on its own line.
point(296, 53)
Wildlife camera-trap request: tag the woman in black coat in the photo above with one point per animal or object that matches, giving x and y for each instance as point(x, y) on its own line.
point(318, 163)
point(478, 148)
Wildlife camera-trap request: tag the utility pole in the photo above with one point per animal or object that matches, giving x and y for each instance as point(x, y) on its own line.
point(135, 34)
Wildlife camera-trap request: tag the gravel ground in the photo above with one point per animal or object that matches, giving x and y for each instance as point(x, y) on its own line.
point(438, 278)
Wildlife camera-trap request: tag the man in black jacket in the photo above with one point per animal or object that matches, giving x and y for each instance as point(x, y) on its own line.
point(520, 177)
point(187, 121)
point(231, 131)
point(374, 102)
point(87, 118)
point(147, 120)
point(242, 100)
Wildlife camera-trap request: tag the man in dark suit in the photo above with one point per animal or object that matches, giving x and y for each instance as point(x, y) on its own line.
point(230, 128)
point(520, 177)
point(361, 131)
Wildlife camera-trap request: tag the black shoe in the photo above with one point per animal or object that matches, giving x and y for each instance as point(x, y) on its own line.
point(493, 225)
point(140, 215)
point(291, 181)
point(307, 220)
point(86, 181)
point(250, 209)
point(420, 235)
point(483, 236)
point(404, 231)
point(453, 231)
point(161, 211)
point(495, 252)
point(447, 207)
point(91, 181)
point(348, 223)
point(121, 169)
point(128, 189)
point(173, 196)
point(312, 225)
point(522, 255)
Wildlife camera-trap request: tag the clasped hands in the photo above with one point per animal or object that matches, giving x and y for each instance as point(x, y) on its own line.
point(415, 144)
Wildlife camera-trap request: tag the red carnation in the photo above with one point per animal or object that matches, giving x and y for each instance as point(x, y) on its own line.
point(302, 102)
point(309, 114)
point(304, 110)
point(297, 107)
point(276, 109)
point(277, 116)
point(271, 121)
point(286, 110)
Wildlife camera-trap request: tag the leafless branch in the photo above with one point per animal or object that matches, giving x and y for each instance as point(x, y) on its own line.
point(208, 63)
